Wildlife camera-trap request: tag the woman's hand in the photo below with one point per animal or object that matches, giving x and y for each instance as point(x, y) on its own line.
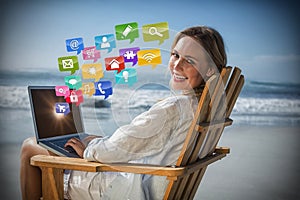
point(78, 145)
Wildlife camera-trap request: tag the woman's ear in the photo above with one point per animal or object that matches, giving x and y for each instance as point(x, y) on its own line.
point(210, 72)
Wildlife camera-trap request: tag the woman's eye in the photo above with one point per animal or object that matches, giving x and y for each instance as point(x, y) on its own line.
point(190, 61)
point(176, 55)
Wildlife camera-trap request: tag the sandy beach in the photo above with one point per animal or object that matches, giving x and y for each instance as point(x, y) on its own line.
point(263, 164)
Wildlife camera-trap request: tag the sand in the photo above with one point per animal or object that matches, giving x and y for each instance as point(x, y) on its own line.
point(263, 164)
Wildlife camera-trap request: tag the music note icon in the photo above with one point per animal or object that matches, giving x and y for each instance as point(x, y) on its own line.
point(88, 88)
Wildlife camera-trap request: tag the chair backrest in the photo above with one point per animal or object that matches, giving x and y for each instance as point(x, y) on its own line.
point(212, 115)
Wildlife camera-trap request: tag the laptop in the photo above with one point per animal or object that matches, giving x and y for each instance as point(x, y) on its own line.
point(54, 125)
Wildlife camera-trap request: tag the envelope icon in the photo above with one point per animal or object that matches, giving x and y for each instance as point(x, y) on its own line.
point(67, 63)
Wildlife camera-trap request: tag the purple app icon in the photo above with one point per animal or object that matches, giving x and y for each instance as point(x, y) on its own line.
point(130, 55)
point(62, 108)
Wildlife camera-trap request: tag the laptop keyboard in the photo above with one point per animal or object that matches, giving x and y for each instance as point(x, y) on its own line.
point(61, 144)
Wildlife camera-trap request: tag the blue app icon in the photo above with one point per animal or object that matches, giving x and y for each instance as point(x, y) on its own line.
point(62, 108)
point(74, 44)
point(126, 76)
point(105, 42)
point(103, 88)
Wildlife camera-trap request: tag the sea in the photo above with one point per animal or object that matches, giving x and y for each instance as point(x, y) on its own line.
point(259, 104)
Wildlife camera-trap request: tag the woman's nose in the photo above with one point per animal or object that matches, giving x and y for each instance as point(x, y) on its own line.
point(178, 63)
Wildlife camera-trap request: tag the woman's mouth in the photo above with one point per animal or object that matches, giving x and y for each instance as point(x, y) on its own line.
point(179, 78)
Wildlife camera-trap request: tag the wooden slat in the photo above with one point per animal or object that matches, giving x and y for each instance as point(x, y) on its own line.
point(235, 94)
point(206, 125)
point(231, 86)
point(222, 105)
point(191, 184)
point(221, 150)
point(84, 165)
point(180, 190)
point(217, 94)
point(226, 75)
point(197, 183)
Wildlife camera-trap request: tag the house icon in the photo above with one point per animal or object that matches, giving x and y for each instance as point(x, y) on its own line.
point(114, 64)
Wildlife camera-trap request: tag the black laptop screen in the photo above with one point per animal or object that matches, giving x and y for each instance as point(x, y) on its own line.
point(48, 122)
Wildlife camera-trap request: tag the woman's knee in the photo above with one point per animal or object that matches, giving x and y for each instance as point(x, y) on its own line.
point(30, 148)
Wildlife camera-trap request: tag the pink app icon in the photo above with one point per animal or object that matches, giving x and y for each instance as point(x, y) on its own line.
point(62, 90)
point(91, 53)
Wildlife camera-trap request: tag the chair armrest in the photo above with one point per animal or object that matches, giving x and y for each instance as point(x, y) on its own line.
point(84, 165)
point(58, 162)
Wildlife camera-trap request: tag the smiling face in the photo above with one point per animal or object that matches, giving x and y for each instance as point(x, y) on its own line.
point(188, 64)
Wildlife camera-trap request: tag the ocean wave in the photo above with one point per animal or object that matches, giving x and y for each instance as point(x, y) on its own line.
point(13, 97)
point(267, 106)
point(16, 97)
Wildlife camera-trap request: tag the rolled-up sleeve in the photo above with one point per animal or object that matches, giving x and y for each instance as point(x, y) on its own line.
point(146, 135)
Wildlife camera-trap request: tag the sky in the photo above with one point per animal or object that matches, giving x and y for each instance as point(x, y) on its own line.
point(261, 37)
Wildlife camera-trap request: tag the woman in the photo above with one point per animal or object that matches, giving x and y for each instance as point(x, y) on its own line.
point(154, 137)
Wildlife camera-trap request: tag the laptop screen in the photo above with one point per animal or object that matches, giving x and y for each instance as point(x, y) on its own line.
point(49, 121)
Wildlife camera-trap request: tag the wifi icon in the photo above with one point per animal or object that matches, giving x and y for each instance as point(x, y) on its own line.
point(149, 57)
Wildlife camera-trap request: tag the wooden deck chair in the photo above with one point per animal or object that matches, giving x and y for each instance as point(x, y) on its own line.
point(212, 115)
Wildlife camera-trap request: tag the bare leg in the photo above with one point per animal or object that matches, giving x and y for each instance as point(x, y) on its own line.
point(30, 176)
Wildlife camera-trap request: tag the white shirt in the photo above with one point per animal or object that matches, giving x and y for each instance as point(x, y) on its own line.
point(153, 137)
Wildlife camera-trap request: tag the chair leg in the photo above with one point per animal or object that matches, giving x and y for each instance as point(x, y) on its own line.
point(52, 184)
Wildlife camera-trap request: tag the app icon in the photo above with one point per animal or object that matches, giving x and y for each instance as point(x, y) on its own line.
point(115, 63)
point(90, 53)
point(130, 54)
point(103, 88)
point(127, 31)
point(68, 63)
point(73, 82)
point(105, 42)
point(62, 108)
point(126, 76)
point(62, 91)
point(149, 57)
point(75, 97)
point(88, 88)
point(74, 44)
point(92, 71)
point(158, 31)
